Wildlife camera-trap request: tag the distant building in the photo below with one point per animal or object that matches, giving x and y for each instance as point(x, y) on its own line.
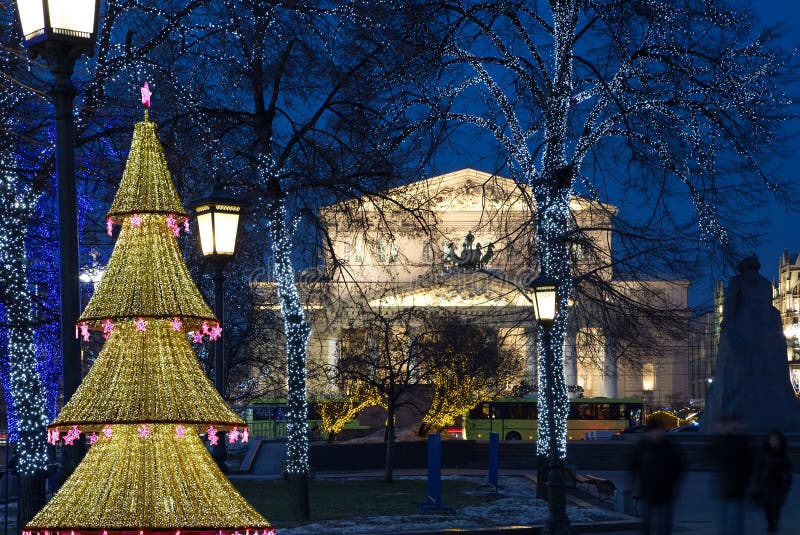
point(786, 298)
point(704, 343)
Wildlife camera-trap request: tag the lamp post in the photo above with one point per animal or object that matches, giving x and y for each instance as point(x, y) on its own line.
point(218, 222)
point(545, 307)
point(61, 31)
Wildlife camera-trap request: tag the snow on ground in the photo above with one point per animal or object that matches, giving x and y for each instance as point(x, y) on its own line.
point(516, 506)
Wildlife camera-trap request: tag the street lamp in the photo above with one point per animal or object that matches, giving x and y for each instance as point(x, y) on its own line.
point(543, 296)
point(543, 292)
point(61, 31)
point(218, 222)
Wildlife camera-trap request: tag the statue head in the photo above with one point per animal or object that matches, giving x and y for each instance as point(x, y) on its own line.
point(748, 264)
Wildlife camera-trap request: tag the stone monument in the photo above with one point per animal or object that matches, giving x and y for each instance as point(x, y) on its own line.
point(751, 379)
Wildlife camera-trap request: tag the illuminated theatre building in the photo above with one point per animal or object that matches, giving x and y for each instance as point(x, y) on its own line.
point(462, 248)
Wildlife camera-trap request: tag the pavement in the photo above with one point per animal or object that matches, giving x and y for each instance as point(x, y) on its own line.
point(696, 510)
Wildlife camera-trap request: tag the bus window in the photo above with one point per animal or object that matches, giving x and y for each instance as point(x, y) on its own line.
point(603, 411)
point(582, 411)
point(479, 412)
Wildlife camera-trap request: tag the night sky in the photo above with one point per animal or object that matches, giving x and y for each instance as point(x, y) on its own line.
point(783, 228)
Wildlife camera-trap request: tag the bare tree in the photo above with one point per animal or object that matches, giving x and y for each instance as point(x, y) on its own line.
point(676, 101)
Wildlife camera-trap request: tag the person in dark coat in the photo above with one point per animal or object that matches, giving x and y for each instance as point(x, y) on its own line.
point(657, 466)
point(774, 478)
point(735, 464)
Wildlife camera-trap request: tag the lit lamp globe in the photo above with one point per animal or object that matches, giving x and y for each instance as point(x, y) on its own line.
point(543, 296)
point(218, 222)
point(70, 23)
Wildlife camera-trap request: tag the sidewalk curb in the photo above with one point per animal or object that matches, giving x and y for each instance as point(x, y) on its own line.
point(611, 526)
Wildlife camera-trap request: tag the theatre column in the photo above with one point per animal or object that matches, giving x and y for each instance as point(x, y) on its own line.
point(610, 367)
point(333, 351)
point(532, 357)
point(570, 359)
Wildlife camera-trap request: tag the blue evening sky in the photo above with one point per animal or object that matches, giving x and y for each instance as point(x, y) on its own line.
point(783, 228)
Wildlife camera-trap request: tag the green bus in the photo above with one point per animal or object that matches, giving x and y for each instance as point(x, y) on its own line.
point(267, 419)
point(517, 418)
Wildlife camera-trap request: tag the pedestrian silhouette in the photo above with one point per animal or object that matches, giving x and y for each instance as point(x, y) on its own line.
point(774, 477)
point(657, 466)
point(735, 463)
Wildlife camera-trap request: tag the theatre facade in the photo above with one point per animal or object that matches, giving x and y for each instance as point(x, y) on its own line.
point(462, 243)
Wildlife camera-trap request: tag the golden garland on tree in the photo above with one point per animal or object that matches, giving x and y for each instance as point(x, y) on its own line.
point(146, 400)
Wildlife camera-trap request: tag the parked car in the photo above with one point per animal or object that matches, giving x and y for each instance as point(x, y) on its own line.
point(632, 430)
point(688, 427)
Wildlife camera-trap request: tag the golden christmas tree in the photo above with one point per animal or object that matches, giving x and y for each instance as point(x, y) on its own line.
point(146, 400)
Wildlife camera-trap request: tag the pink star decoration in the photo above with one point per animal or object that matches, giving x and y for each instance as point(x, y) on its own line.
point(245, 435)
point(53, 436)
point(211, 433)
point(176, 324)
point(72, 435)
point(109, 226)
point(144, 431)
point(136, 220)
point(93, 438)
point(108, 328)
point(216, 332)
point(107, 432)
point(233, 435)
point(197, 337)
point(186, 225)
point(146, 94)
point(172, 223)
point(206, 328)
point(85, 331)
point(180, 431)
point(141, 325)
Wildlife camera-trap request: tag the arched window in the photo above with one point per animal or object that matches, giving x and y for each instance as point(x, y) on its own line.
point(648, 377)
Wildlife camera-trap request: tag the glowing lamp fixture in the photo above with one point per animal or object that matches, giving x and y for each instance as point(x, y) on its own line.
point(218, 222)
point(73, 21)
point(543, 296)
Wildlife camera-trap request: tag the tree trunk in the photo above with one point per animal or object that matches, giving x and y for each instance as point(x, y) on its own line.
point(297, 333)
point(423, 430)
point(542, 473)
point(299, 509)
point(31, 498)
point(389, 468)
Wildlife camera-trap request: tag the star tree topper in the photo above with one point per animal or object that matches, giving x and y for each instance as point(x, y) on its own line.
point(146, 93)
